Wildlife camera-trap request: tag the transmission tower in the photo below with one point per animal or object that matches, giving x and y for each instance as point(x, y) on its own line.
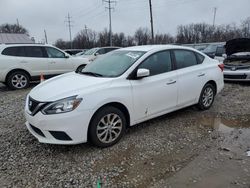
point(110, 7)
point(69, 24)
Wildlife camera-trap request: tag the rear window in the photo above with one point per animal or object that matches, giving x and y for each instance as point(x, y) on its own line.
point(200, 58)
point(14, 51)
point(184, 58)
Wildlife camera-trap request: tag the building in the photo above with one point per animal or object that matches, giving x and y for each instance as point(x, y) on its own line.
point(15, 38)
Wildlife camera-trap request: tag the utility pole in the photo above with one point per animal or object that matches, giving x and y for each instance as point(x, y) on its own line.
point(69, 24)
point(110, 23)
point(87, 36)
point(45, 36)
point(17, 22)
point(151, 21)
point(215, 9)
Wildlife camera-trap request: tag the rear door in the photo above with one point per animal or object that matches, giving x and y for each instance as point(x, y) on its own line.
point(35, 60)
point(58, 62)
point(191, 76)
point(156, 93)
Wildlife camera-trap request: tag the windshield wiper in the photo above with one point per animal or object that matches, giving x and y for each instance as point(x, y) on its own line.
point(92, 74)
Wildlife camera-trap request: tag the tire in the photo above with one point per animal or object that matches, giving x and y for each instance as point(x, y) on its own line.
point(79, 69)
point(102, 131)
point(206, 97)
point(18, 80)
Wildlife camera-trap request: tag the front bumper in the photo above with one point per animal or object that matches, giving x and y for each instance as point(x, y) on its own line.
point(65, 128)
point(237, 75)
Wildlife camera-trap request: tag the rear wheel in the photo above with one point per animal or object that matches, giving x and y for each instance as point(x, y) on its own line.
point(206, 97)
point(18, 80)
point(107, 127)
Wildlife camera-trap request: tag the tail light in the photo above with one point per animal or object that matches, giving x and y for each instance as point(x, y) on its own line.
point(221, 66)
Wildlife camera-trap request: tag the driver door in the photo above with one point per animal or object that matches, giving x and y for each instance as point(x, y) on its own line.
point(58, 62)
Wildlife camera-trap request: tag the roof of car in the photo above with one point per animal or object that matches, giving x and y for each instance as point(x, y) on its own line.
point(147, 48)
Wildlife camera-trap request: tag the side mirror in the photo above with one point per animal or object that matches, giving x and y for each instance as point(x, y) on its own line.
point(224, 55)
point(66, 56)
point(142, 73)
point(96, 54)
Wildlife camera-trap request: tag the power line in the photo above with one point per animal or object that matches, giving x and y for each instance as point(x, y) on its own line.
point(110, 23)
point(69, 24)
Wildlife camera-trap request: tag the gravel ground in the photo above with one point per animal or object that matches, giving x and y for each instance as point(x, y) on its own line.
point(187, 148)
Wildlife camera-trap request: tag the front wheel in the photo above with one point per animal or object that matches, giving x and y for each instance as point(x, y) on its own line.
point(18, 80)
point(206, 97)
point(107, 127)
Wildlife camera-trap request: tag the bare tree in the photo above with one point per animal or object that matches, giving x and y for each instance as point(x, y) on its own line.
point(13, 28)
point(142, 36)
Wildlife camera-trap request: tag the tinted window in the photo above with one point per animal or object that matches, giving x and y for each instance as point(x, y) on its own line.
point(184, 58)
point(200, 58)
point(157, 63)
point(220, 50)
point(101, 51)
point(33, 51)
point(54, 53)
point(109, 49)
point(14, 51)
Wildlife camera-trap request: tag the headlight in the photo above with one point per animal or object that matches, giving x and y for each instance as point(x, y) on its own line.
point(62, 106)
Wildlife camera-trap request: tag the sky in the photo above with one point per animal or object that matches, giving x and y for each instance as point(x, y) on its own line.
point(127, 16)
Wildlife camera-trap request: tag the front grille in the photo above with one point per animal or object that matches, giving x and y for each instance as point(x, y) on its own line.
point(60, 135)
point(38, 131)
point(32, 104)
point(240, 76)
point(35, 106)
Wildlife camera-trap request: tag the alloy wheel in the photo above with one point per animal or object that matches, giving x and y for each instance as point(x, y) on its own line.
point(207, 97)
point(19, 81)
point(109, 128)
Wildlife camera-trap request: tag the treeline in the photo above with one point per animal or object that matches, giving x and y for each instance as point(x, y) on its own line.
point(89, 39)
point(192, 33)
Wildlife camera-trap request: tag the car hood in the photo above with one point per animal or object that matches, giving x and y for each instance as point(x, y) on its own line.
point(68, 85)
point(237, 45)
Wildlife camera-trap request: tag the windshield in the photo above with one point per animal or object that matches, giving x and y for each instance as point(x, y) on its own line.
point(112, 64)
point(210, 49)
point(91, 51)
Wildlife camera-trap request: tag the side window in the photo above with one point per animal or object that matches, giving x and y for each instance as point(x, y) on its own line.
point(220, 51)
point(109, 49)
point(101, 51)
point(157, 63)
point(54, 53)
point(33, 51)
point(184, 58)
point(14, 51)
point(200, 58)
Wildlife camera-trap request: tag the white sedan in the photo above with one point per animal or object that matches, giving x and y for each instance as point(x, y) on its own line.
point(121, 89)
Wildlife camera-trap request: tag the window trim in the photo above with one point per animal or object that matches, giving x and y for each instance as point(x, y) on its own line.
point(132, 75)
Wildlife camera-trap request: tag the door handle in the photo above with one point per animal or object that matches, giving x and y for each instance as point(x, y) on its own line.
point(201, 74)
point(171, 82)
point(23, 62)
point(52, 62)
